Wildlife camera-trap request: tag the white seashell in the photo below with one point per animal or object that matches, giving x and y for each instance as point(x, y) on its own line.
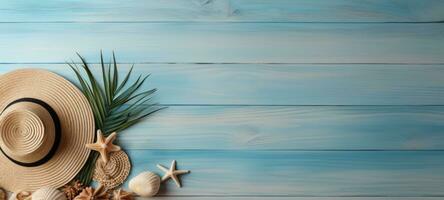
point(146, 184)
point(46, 193)
point(23, 195)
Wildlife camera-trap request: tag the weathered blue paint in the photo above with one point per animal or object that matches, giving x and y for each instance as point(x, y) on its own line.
point(252, 123)
point(292, 128)
point(225, 42)
point(223, 11)
point(282, 84)
point(300, 173)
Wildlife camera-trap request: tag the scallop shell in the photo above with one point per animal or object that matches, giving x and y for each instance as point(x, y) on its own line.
point(46, 193)
point(146, 184)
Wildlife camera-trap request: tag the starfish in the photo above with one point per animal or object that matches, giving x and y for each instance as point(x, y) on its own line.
point(104, 146)
point(172, 173)
point(119, 194)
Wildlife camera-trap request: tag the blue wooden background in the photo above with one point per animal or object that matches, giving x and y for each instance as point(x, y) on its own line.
point(268, 99)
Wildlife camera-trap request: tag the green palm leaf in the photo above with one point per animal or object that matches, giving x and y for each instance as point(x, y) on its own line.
point(109, 101)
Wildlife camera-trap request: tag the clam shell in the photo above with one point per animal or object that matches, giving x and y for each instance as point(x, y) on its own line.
point(46, 193)
point(146, 184)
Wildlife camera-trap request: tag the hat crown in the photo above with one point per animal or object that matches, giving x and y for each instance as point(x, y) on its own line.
point(27, 132)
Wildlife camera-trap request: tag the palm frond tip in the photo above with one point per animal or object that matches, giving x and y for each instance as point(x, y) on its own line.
point(116, 104)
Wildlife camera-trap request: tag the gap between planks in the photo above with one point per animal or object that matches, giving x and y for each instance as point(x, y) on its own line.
point(283, 84)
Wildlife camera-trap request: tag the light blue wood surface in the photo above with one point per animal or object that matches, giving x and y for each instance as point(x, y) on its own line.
point(299, 173)
point(222, 11)
point(303, 99)
point(283, 84)
point(291, 128)
point(208, 42)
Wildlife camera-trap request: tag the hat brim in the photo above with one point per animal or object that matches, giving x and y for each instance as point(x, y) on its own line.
point(77, 129)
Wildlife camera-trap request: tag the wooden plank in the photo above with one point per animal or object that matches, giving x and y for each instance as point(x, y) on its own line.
point(225, 42)
point(223, 11)
point(289, 84)
point(298, 173)
point(290, 128)
point(293, 128)
point(287, 127)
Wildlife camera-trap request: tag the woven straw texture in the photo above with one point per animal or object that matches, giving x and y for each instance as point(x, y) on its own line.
point(2, 194)
point(114, 172)
point(27, 133)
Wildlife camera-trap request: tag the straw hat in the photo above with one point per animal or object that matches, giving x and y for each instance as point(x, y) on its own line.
point(45, 122)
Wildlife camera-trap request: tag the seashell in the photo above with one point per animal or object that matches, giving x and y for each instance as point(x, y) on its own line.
point(146, 184)
point(46, 193)
point(23, 195)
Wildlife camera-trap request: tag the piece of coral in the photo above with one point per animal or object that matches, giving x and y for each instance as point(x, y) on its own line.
point(90, 193)
point(73, 189)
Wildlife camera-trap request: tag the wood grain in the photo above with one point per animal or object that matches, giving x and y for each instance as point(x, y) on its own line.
point(225, 42)
point(283, 84)
point(223, 11)
point(288, 127)
point(299, 173)
point(284, 99)
point(292, 128)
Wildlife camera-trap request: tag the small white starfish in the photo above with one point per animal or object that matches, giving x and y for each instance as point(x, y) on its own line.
point(172, 173)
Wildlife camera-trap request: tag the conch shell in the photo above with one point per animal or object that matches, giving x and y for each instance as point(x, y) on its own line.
point(46, 193)
point(146, 184)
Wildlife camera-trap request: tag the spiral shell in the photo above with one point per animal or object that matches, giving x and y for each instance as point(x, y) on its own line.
point(46, 193)
point(146, 184)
